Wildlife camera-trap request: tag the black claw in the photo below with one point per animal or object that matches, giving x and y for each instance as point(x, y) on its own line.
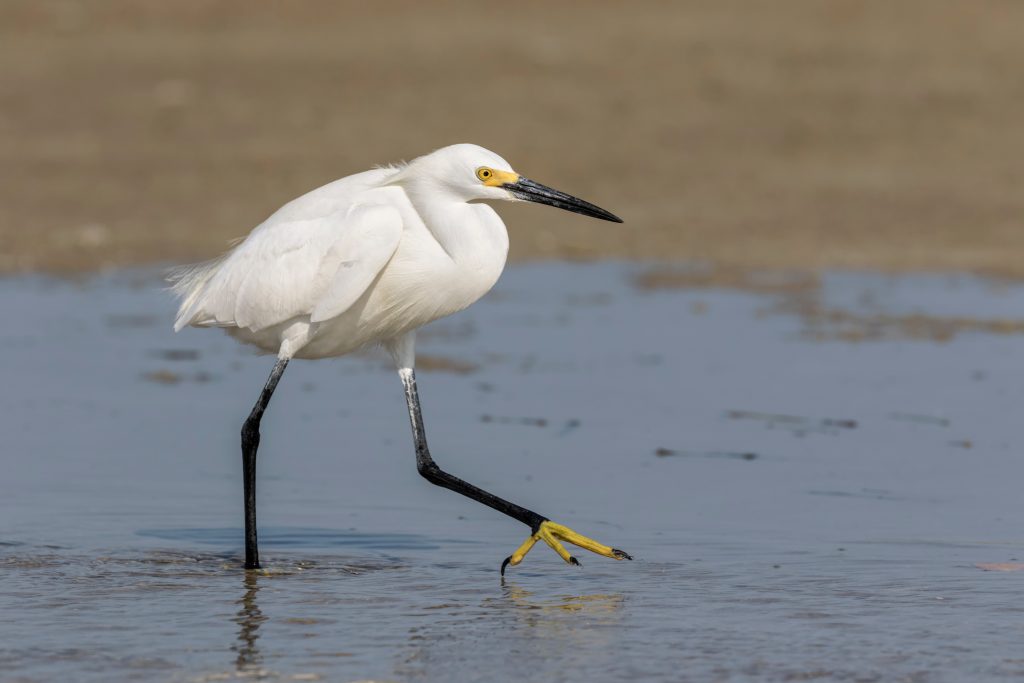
point(621, 554)
point(574, 562)
point(505, 564)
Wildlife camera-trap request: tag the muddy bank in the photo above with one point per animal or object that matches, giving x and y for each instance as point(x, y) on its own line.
point(756, 135)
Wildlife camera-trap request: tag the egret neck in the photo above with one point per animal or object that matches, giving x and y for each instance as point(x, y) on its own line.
point(473, 235)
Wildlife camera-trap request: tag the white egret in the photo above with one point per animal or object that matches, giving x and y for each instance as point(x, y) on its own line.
point(364, 260)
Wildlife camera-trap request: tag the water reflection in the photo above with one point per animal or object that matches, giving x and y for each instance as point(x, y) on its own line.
point(567, 622)
point(249, 618)
point(592, 604)
point(516, 627)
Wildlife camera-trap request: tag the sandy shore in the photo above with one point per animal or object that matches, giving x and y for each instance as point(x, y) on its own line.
point(770, 135)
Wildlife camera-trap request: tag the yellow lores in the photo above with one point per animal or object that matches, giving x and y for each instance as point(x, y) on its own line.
point(551, 533)
point(492, 178)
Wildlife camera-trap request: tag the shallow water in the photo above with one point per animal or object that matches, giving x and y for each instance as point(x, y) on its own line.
point(800, 506)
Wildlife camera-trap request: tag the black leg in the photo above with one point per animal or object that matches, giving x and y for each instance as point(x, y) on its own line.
point(250, 443)
point(435, 475)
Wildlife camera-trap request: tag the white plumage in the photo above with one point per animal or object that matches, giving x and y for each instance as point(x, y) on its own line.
point(368, 258)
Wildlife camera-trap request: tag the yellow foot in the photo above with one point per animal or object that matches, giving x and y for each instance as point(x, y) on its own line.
point(552, 533)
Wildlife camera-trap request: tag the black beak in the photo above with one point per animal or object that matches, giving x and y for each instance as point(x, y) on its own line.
point(530, 191)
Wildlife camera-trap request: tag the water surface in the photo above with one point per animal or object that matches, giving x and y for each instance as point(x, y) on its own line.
point(808, 478)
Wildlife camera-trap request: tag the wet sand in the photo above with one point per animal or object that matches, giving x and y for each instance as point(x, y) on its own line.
point(803, 503)
point(804, 134)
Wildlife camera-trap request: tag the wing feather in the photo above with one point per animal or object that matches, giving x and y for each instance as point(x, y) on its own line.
point(371, 237)
point(290, 268)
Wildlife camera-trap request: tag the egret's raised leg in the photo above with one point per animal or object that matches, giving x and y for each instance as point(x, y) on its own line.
point(250, 443)
point(541, 528)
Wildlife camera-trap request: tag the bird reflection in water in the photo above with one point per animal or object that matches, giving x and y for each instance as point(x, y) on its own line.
point(593, 604)
point(249, 618)
point(575, 629)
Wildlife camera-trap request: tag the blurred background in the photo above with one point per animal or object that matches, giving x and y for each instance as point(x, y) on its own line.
point(798, 134)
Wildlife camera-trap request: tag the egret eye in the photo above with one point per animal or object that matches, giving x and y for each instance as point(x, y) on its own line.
point(484, 173)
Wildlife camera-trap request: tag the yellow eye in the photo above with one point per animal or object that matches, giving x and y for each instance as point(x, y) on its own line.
point(484, 173)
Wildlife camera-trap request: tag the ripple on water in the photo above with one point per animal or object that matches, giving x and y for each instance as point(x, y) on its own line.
point(304, 537)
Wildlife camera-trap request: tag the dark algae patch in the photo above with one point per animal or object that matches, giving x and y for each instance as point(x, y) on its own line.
point(794, 423)
point(728, 455)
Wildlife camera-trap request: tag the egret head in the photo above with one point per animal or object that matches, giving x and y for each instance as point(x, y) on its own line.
point(474, 173)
